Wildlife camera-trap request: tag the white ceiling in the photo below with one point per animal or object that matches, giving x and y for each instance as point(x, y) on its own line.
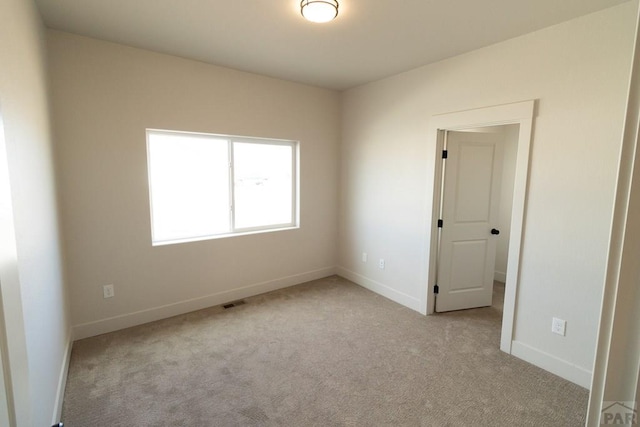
point(369, 40)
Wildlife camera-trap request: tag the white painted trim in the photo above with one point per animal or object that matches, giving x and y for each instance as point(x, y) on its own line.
point(123, 321)
point(500, 276)
point(520, 113)
point(485, 116)
point(570, 372)
point(517, 231)
point(62, 380)
point(616, 368)
point(381, 289)
point(12, 336)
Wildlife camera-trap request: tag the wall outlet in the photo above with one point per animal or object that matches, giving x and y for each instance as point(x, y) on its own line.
point(381, 264)
point(559, 326)
point(107, 291)
point(364, 257)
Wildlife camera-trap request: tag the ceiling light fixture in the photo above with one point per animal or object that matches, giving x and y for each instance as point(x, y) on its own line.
point(319, 10)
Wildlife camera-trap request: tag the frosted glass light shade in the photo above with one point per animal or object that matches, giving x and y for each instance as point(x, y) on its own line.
point(319, 10)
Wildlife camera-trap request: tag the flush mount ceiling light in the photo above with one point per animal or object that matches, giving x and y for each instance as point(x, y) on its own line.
point(319, 10)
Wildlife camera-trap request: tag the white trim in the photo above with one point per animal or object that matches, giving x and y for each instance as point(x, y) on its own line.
point(222, 236)
point(485, 116)
point(62, 380)
point(123, 321)
point(617, 362)
point(13, 342)
point(381, 289)
point(570, 372)
point(500, 276)
point(520, 113)
point(512, 281)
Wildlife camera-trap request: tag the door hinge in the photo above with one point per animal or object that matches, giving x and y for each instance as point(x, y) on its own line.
point(436, 289)
point(440, 223)
point(445, 154)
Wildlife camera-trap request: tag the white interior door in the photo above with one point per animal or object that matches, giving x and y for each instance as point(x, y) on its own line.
point(470, 208)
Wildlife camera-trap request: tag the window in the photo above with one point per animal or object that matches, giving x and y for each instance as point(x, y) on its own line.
point(203, 186)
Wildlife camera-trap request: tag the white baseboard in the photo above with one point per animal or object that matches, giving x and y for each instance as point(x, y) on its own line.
point(500, 276)
point(380, 288)
point(123, 321)
point(62, 380)
point(559, 367)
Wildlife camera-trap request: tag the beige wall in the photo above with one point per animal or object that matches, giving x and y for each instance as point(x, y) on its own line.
point(578, 71)
point(104, 96)
point(31, 274)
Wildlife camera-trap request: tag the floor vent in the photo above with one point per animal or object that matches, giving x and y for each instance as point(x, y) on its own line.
point(233, 304)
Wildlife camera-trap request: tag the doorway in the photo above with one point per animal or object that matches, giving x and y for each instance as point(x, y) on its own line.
point(520, 114)
point(475, 216)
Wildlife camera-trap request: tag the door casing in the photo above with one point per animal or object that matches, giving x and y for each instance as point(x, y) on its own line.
point(522, 114)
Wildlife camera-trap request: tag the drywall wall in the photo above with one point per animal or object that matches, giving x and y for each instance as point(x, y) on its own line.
point(578, 71)
point(104, 96)
point(31, 276)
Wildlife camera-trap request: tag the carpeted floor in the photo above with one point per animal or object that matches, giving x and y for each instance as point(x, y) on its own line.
point(325, 353)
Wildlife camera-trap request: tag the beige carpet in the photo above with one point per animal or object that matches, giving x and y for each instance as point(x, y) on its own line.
point(326, 353)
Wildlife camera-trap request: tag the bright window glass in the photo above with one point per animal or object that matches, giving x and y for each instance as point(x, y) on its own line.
point(191, 194)
point(262, 181)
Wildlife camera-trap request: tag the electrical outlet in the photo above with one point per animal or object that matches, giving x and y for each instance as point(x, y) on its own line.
point(107, 291)
point(381, 264)
point(559, 326)
point(364, 257)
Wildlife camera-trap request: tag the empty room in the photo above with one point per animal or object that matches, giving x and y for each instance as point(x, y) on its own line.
point(319, 212)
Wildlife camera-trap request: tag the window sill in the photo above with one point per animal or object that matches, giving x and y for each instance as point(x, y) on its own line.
point(223, 236)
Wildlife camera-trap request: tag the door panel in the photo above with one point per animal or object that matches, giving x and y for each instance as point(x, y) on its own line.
point(472, 254)
point(470, 208)
point(473, 195)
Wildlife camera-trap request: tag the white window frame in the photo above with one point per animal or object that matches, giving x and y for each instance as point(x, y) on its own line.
point(234, 231)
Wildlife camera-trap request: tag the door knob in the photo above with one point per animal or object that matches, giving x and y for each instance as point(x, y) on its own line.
point(495, 231)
